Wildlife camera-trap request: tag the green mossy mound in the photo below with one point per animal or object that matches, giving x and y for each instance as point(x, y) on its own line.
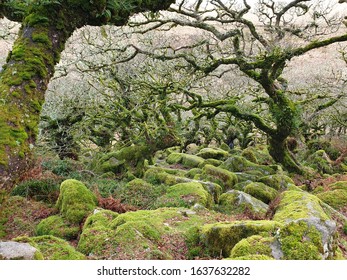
point(55, 225)
point(186, 160)
point(220, 238)
point(277, 181)
point(75, 201)
point(296, 205)
point(53, 248)
point(185, 195)
point(223, 177)
point(210, 153)
point(234, 202)
point(139, 193)
point(301, 241)
point(97, 236)
point(241, 164)
point(193, 172)
point(336, 198)
point(254, 245)
point(301, 209)
point(261, 192)
point(258, 155)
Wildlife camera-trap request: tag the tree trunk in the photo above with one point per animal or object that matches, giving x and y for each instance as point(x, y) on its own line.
point(45, 28)
point(280, 153)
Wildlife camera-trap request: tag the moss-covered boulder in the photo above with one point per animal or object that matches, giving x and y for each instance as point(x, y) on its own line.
point(55, 225)
point(212, 153)
point(184, 159)
point(235, 201)
point(240, 164)
point(257, 245)
point(277, 181)
point(185, 195)
point(336, 198)
point(339, 185)
point(223, 177)
point(139, 193)
point(75, 201)
point(97, 235)
point(220, 238)
point(258, 154)
point(261, 192)
point(301, 241)
point(193, 172)
point(53, 248)
point(304, 210)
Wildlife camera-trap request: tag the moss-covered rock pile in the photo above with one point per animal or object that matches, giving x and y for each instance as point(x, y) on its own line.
point(210, 203)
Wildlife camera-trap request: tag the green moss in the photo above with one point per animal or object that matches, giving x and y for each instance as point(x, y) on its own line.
point(139, 193)
point(336, 198)
point(300, 241)
point(296, 205)
point(252, 258)
point(241, 164)
point(210, 153)
point(56, 226)
point(233, 202)
point(97, 236)
point(277, 181)
point(184, 159)
point(261, 192)
point(220, 238)
point(221, 176)
point(339, 185)
point(75, 201)
point(192, 172)
point(253, 245)
point(185, 195)
point(53, 248)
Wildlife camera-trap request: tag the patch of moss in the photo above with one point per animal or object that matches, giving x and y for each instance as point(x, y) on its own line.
point(339, 185)
point(277, 181)
point(212, 153)
point(220, 238)
point(296, 205)
point(240, 164)
point(75, 201)
point(252, 258)
point(139, 193)
point(53, 248)
point(97, 236)
point(301, 241)
point(223, 177)
point(193, 172)
point(253, 245)
point(336, 198)
point(185, 195)
point(55, 225)
point(261, 192)
point(234, 201)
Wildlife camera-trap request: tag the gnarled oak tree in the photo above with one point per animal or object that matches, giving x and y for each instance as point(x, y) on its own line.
point(45, 27)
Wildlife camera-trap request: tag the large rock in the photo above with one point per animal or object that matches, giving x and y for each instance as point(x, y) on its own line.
point(235, 201)
point(75, 201)
point(220, 238)
point(241, 164)
point(11, 250)
point(184, 159)
point(308, 228)
point(185, 195)
point(223, 177)
point(261, 191)
point(216, 153)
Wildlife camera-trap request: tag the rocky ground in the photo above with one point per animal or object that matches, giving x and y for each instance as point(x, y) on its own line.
point(205, 203)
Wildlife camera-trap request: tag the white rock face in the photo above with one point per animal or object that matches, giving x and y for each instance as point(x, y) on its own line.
point(16, 251)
